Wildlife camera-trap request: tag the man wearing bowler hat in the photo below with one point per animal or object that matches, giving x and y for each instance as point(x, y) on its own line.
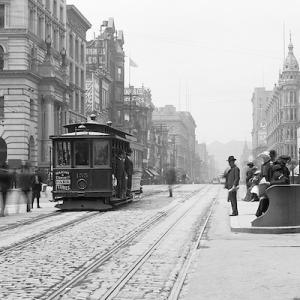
point(232, 184)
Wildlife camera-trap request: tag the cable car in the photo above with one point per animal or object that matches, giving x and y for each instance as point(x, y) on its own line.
point(84, 166)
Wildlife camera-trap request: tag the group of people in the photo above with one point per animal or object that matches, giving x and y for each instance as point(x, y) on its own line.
point(26, 181)
point(123, 173)
point(272, 171)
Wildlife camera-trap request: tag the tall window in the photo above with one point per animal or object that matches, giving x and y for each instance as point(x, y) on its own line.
point(71, 73)
point(40, 27)
point(119, 74)
point(32, 20)
point(82, 54)
point(48, 4)
point(71, 45)
point(31, 109)
point(76, 102)
point(1, 58)
point(76, 50)
point(2, 15)
point(61, 14)
point(55, 8)
point(2, 107)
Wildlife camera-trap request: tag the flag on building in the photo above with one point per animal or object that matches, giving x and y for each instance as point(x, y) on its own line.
point(132, 63)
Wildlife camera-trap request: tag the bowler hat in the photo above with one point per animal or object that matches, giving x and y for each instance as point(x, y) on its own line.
point(231, 158)
point(128, 151)
point(250, 164)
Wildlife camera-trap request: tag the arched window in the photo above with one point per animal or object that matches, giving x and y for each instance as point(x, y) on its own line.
point(1, 58)
point(31, 149)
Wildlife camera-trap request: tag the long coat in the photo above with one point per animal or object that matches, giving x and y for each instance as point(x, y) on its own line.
point(232, 177)
point(171, 176)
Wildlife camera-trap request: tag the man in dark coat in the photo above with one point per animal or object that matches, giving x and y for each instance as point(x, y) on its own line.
point(36, 186)
point(170, 179)
point(5, 182)
point(232, 184)
point(128, 164)
point(120, 174)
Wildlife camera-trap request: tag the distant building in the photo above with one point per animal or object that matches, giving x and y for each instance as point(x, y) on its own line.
point(38, 85)
point(260, 99)
point(105, 59)
point(201, 151)
point(282, 115)
point(181, 133)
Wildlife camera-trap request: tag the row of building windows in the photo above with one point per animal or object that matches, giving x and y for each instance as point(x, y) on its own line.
point(76, 49)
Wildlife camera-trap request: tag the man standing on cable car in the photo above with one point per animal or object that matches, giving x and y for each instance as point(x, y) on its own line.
point(129, 171)
point(120, 174)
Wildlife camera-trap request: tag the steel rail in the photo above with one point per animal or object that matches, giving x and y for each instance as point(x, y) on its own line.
point(98, 260)
point(30, 221)
point(44, 234)
point(116, 288)
point(177, 287)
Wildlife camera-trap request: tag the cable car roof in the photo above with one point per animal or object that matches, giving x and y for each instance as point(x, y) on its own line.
point(93, 126)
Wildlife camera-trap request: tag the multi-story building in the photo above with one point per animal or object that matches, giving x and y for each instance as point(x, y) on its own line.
point(77, 26)
point(34, 79)
point(105, 62)
point(201, 151)
point(260, 98)
point(181, 131)
point(282, 109)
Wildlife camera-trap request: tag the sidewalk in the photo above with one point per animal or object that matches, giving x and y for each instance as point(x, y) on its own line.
point(15, 211)
point(244, 266)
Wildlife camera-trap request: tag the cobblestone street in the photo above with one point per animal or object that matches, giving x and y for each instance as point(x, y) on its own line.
point(38, 268)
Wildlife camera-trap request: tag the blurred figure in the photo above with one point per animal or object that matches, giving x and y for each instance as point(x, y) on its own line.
point(249, 175)
point(5, 182)
point(36, 186)
point(232, 184)
point(170, 179)
point(128, 164)
point(25, 178)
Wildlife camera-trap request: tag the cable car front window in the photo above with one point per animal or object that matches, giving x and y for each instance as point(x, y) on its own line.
point(63, 154)
point(81, 153)
point(101, 156)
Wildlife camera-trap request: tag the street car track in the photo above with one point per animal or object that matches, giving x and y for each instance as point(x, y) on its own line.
point(30, 221)
point(178, 285)
point(59, 290)
point(116, 288)
point(52, 230)
point(57, 212)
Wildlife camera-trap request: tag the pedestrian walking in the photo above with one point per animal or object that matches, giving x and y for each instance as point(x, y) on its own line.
point(5, 182)
point(128, 164)
point(170, 179)
point(120, 174)
point(24, 183)
point(232, 184)
point(36, 187)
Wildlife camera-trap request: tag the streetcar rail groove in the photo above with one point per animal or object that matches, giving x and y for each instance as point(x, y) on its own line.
point(64, 287)
point(116, 288)
point(177, 287)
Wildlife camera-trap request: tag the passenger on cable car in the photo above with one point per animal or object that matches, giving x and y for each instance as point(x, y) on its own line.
point(120, 174)
point(129, 171)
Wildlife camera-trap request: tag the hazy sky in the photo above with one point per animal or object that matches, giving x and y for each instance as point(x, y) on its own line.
point(217, 50)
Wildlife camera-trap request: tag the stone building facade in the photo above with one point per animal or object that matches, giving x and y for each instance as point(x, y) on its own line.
point(282, 109)
point(105, 62)
point(181, 131)
point(34, 76)
point(260, 99)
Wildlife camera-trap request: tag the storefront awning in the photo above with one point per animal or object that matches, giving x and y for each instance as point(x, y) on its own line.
point(153, 172)
point(148, 172)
